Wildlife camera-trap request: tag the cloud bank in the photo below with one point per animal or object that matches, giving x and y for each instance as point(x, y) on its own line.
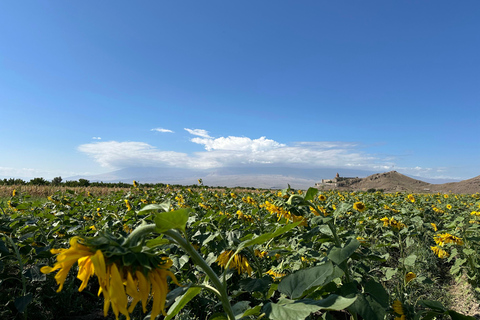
point(235, 151)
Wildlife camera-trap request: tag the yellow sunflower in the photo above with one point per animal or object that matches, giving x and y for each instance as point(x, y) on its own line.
point(359, 206)
point(239, 262)
point(116, 281)
point(410, 276)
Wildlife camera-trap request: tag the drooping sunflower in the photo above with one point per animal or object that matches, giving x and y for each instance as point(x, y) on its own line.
point(129, 206)
point(440, 252)
point(359, 206)
point(116, 281)
point(239, 262)
point(410, 276)
point(443, 238)
point(397, 307)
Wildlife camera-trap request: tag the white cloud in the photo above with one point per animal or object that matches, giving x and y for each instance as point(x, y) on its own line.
point(233, 151)
point(132, 154)
point(238, 144)
point(96, 138)
point(199, 132)
point(161, 130)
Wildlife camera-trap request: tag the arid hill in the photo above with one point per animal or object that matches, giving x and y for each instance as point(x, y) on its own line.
point(466, 186)
point(393, 181)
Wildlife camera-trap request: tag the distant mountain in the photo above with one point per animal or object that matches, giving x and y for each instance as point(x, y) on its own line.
point(280, 177)
point(258, 177)
point(394, 181)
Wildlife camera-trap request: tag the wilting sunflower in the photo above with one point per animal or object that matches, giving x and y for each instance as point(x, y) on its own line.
point(129, 206)
point(443, 238)
point(439, 252)
point(359, 206)
point(398, 309)
point(410, 276)
point(116, 281)
point(239, 262)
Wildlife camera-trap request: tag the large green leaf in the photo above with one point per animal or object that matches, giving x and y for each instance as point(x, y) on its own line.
point(267, 236)
point(182, 301)
point(338, 255)
point(458, 316)
point(165, 206)
point(367, 307)
point(21, 303)
point(287, 309)
point(172, 220)
point(260, 285)
point(239, 308)
point(378, 292)
point(295, 284)
point(434, 305)
point(311, 193)
point(332, 302)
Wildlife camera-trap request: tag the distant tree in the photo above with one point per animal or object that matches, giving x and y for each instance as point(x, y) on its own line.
point(38, 182)
point(83, 182)
point(71, 183)
point(56, 181)
point(19, 182)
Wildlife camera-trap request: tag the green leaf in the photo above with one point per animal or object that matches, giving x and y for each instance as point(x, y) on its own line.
point(434, 305)
point(158, 241)
point(368, 308)
point(378, 292)
point(252, 311)
point(410, 260)
point(21, 303)
point(289, 310)
point(458, 316)
point(34, 274)
point(267, 236)
point(332, 302)
point(260, 285)
point(311, 193)
point(172, 220)
point(239, 308)
point(218, 316)
point(182, 301)
point(165, 206)
point(338, 255)
point(295, 284)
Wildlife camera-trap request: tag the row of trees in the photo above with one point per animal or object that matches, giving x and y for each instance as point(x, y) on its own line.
point(58, 181)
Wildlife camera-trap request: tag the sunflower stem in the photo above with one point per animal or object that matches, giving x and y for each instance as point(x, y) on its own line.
point(182, 242)
point(140, 231)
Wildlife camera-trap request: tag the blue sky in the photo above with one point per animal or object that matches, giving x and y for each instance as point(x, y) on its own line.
point(369, 85)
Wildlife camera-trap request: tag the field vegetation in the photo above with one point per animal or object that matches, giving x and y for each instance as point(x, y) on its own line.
point(202, 253)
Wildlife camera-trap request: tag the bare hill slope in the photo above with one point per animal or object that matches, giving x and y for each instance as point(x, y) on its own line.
point(466, 186)
point(390, 182)
point(393, 181)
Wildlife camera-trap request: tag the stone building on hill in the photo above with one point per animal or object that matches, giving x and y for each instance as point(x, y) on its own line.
point(333, 182)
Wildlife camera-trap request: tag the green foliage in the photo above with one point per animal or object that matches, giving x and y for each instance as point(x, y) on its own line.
point(311, 254)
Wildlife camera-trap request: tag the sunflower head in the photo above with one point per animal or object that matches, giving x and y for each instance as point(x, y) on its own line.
point(359, 206)
point(410, 276)
point(121, 269)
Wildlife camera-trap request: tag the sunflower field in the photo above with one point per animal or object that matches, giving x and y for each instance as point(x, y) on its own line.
point(204, 253)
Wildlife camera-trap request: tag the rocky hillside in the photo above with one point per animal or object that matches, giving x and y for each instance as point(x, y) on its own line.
point(396, 182)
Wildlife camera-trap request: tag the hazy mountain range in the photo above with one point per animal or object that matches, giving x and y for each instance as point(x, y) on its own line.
point(258, 177)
